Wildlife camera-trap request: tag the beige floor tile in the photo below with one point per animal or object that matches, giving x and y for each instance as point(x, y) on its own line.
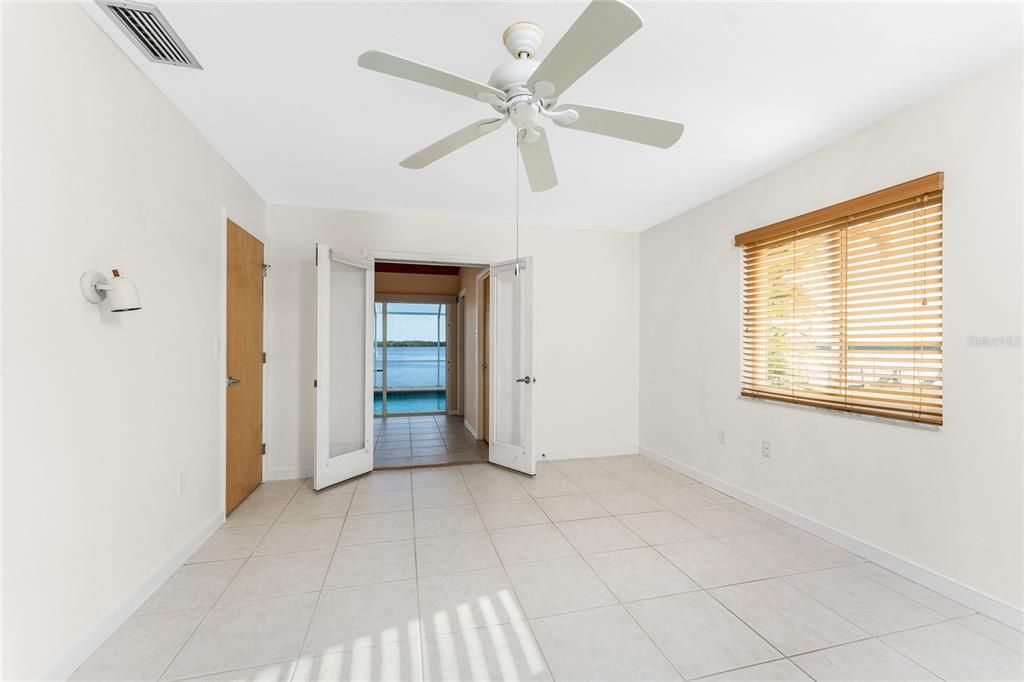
point(192, 586)
point(698, 635)
point(545, 588)
point(922, 595)
point(436, 478)
point(596, 480)
point(661, 527)
point(787, 550)
point(449, 496)
point(277, 575)
point(467, 600)
point(141, 648)
point(530, 543)
point(385, 663)
point(776, 671)
point(511, 514)
point(256, 511)
point(994, 630)
point(381, 501)
point(270, 672)
point(720, 520)
point(867, 604)
point(310, 504)
point(380, 527)
point(601, 644)
point(589, 536)
point(452, 553)
point(570, 507)
point(549, 484)
point(639, 573)
point(230, 543)
point(447, 521)
point(793, 622)
point(497, 490)
point(867, 660)
point(300, 536)
point(620, 502)
point(499, 652)
point(953, 652)
point(246, 634)
point(283, 489)
point(766, 520)
point(678, 497)
point(378, 562)
point(377, 481)
point(711, 563)
point(366, 616)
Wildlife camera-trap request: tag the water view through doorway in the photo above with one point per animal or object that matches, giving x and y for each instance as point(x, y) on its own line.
point(410, 358)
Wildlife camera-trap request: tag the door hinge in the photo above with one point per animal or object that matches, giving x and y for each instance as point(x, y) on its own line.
point(264, 358)
point(314, 383)
point(266, 270)
point(263, 448)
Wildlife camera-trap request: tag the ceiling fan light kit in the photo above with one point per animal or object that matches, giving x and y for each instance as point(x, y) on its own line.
point(525, 91)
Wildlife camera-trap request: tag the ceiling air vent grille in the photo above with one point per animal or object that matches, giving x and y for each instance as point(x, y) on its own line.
point(147, 27)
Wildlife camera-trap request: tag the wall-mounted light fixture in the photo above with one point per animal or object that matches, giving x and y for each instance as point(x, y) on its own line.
point(119, 291)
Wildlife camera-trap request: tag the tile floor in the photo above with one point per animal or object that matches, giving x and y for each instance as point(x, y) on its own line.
point(603, 569)
point(424, 440)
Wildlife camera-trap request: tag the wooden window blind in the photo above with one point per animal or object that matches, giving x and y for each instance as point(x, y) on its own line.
point(842, 307)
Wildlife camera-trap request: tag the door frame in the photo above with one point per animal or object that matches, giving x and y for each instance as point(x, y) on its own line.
point(483, 322)
point(220, 351)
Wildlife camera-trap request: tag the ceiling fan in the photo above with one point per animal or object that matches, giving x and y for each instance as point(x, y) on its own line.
point(525, 91)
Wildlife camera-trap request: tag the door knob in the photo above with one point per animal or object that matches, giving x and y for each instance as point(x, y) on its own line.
point(232, 381)
point(525, 380)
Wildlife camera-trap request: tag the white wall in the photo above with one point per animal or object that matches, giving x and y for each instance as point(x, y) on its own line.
point(585, 319)
point(102, 411)
point(949, 500)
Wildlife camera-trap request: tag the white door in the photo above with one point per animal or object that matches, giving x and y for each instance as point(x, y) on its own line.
point(344, 366)
point(511, 366)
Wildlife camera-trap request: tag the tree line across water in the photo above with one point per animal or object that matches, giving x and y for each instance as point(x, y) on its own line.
point(412, 344)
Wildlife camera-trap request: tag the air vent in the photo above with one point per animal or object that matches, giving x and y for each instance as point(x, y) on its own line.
point(147, 27)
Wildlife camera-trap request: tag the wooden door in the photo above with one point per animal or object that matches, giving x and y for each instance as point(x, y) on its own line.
point(486, 384)
point(244, 364)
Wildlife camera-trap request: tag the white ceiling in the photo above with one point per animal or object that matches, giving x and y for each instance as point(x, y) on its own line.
point(757, 86)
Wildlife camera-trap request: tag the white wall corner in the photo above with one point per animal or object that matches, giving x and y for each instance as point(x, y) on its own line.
point(469, 427)
point(979, 601)
point(74, 657)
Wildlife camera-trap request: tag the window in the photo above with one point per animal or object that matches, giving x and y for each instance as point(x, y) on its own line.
point(842, 307)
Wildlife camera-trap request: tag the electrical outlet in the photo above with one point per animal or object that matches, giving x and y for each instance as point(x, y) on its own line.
point(766, 448)
point(181, 483)
point(721, 436)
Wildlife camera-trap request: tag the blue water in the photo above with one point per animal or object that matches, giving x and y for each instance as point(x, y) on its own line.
point(412, 368)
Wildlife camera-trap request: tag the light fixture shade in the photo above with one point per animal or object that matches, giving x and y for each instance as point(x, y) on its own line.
point(119, 291)
point(122, 295)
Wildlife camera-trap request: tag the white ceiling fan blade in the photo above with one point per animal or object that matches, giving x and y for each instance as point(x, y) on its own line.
point(603, 26)
point(393, 65)
point(643, 129)
point(447, 145)
point(540, 169)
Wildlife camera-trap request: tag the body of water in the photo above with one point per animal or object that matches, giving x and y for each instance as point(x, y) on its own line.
point(411, 367)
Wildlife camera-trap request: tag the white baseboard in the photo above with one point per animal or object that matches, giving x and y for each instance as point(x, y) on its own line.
point(90, 641)
point(469, 427)
point(593, 452)
point(979, 601)
point(288, 474)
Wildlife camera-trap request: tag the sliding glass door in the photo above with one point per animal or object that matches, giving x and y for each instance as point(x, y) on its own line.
point(410, 358)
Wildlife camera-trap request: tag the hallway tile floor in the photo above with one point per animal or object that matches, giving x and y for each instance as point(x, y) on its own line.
point(424, 440)
point(612, 569)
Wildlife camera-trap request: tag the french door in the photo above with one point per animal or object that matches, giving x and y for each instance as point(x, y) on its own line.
point(344, 366)
point(510, 366)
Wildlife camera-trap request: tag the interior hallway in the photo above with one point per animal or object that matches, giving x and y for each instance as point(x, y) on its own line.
point(422, 440)
point(614, 568)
